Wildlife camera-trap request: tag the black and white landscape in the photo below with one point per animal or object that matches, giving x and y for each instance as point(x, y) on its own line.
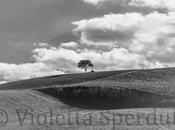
point(87, 64)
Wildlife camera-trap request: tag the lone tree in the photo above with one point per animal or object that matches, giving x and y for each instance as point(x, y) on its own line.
point(85, 64)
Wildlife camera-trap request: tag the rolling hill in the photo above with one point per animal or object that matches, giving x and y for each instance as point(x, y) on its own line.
point(135, 91)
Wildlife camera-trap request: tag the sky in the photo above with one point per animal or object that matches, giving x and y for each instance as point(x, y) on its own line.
point(41, 37)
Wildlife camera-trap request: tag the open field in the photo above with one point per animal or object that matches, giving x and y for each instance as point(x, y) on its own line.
point(109, 97)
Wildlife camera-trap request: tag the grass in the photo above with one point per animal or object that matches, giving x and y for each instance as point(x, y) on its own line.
point(105, 98)
point(91, 92)
point(58, 80)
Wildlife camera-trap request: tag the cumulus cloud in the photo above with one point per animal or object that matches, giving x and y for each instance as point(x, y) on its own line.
point(69, 45)
point(151, 35)
point(169, 5)
point(95, 2)
point(117, 58)
point(108, 29)
point(13, 72)
point(44, 54)
point(53, 61)
point(164, 4)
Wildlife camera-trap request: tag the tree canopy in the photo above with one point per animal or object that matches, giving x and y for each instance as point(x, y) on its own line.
point(85, 64)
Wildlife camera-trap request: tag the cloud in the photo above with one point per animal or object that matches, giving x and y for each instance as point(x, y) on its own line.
point(117, 58)
point(168, 4)
point(93, 1)
point(41, 44)
point(107, 29)
point(44, 54)
point(13, 72)
point(97, 2)
point(54, 61)
point(151, 35)
point(164, 4)
point(3, 82)
point(159, 5)
point(43, 21)
point(69, 45)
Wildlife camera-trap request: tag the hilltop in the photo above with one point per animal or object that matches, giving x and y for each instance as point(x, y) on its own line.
point(160, 81)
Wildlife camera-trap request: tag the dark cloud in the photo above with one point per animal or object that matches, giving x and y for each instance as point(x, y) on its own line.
point(36, 20)
point(109, 35)
point(42, 20)
point(28, 21)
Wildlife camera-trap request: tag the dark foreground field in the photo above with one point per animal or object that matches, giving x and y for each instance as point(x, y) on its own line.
point(125, 92)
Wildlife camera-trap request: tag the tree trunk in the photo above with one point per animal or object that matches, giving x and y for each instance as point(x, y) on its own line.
point(86, 67)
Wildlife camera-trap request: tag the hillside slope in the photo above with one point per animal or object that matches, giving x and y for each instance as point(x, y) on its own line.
point(67, 79)
point(162, 78)
point(115, 91)
point(112, 89)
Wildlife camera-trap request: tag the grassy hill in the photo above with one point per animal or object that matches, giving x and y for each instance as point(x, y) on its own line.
point(118, 91)
point(67, 79)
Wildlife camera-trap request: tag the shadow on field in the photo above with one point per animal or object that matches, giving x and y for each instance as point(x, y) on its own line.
point(109, 98)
